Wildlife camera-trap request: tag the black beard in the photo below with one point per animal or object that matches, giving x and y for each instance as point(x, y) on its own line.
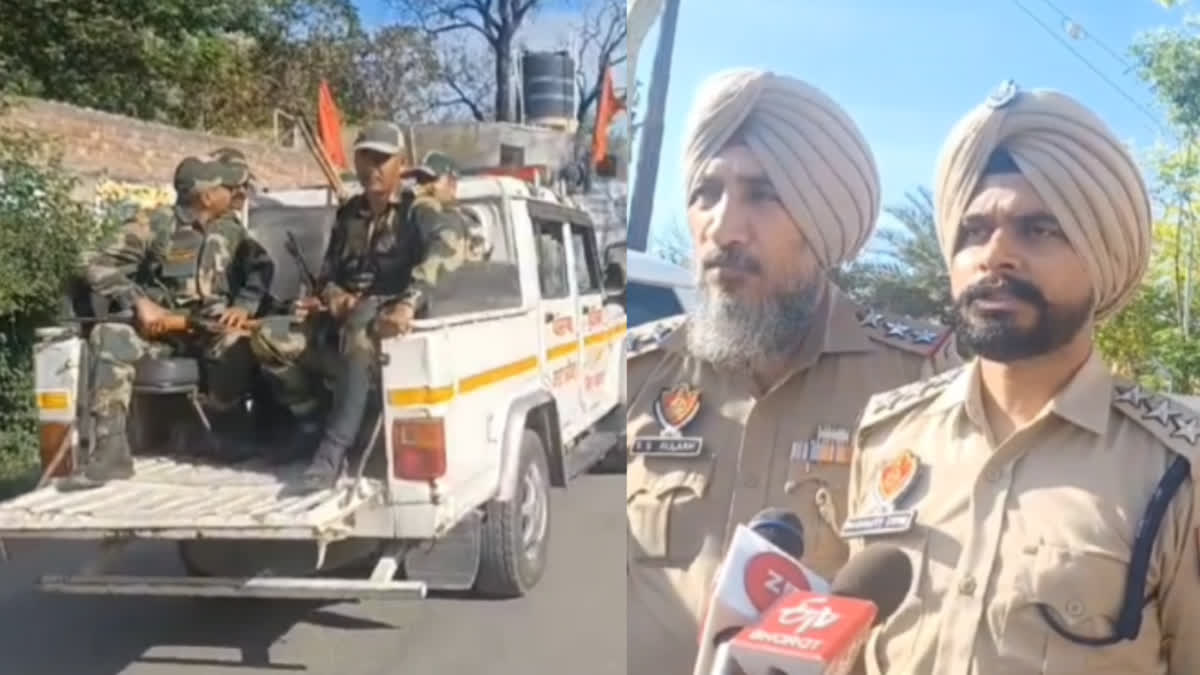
point(997, 338)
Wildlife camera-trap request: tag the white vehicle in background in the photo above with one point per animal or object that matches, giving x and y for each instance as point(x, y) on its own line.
point(654, 288)
point(512, 384)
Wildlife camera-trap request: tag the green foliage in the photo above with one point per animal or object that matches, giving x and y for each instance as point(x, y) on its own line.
point(43, 232)
point(906, 274)
point(220, 65)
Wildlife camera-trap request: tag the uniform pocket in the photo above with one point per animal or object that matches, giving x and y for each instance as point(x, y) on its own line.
point(665, 507)
point(1082, 590)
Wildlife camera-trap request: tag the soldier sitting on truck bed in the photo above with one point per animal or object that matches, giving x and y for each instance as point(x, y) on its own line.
point(385, 254)
point(437, 179)
point(166, 266)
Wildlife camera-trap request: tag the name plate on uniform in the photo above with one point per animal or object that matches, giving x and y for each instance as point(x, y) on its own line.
point(674, 408)
point(882, 523)
point(892, 482)
point(668, 446)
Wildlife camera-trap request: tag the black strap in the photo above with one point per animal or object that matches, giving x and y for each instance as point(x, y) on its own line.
point(1129, 620)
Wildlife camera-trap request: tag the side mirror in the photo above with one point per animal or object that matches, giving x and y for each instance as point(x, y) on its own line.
point(614, 278)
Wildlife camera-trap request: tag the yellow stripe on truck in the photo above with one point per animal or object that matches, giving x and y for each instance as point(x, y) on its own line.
point(429, 396)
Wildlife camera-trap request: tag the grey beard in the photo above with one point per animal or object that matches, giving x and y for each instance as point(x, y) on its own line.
point(729, 333)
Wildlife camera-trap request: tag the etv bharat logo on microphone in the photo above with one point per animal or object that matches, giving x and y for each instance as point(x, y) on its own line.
point(805, 633)
point(770, 576)
point(812, 614)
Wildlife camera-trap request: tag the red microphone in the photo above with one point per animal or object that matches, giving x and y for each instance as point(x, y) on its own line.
point(761, 565)
point(807, 633)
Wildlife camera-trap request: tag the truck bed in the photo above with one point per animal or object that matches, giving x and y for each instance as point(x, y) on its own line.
point(177, 498)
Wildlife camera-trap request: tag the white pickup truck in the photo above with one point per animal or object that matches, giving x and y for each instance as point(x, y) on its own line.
point(510, 386)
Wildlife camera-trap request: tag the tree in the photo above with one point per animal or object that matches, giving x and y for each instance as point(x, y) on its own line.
point(142, 58)
point(601, 46)
point(497, 22)
point(222, 65)
point(907, 274)
point(398, 72)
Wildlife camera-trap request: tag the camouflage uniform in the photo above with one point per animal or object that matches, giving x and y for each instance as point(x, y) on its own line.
point(168, 256)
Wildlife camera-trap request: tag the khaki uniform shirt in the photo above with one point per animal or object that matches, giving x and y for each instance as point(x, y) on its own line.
point(788, 447)
point(1045, 517)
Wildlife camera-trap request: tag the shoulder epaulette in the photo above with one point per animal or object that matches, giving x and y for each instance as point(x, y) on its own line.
point(648, 337)
point(911, 336)
point(888, 404)
point(1172, 423)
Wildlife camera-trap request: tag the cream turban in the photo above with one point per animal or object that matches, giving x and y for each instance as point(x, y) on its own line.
point(813, 154)
point(1085, 176)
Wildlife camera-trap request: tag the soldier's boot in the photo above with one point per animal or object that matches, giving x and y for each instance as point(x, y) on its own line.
point(110, 459)
point(350, 398)
point(326, 466)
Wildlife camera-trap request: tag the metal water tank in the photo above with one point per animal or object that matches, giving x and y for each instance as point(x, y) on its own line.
point(548, 80)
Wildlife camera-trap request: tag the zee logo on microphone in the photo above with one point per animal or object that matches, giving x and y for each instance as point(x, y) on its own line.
point(769, 576)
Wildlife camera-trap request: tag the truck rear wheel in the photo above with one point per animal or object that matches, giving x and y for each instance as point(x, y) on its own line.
point(516, 534)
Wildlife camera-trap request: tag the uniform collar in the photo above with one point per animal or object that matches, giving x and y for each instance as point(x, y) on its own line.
point(1085, 401)
point(187, 216)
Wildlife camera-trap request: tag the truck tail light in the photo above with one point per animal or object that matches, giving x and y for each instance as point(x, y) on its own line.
point(53, 436)
point(418, 449)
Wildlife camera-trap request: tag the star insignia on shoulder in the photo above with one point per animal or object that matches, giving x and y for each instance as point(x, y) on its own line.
point(897, 330)
point(925, 337)
point(1133, 395)
point(872, 319)
point(1187, 428)
point(1161, 412)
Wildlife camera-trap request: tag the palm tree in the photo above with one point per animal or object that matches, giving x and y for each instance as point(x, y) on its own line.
point(905, 274)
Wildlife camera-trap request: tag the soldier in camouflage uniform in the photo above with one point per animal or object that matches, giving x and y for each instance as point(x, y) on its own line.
point(379, 265)
point(165, 265)
point(437, 178)
point(241, 194)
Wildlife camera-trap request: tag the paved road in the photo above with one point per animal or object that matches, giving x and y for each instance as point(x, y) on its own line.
point(573, 622)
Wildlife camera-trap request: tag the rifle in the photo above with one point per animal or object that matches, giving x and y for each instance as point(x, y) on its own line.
point(174, 324)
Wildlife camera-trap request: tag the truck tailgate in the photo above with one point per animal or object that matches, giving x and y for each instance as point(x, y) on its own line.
point(174, 498)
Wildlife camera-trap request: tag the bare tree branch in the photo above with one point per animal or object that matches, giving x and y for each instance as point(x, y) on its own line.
point(603, 33)
point(497, 21)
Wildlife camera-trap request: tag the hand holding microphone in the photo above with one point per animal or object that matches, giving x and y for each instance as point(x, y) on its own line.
point(761, 565)
point(806, 633)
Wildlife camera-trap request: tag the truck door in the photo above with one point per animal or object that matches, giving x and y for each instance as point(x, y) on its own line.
point(594, 343)
point(560, 361)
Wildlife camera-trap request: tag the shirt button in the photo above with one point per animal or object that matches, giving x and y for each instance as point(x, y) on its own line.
point(967, 586)
point(750, 482)
point(1074, 608)
point(1030, 548)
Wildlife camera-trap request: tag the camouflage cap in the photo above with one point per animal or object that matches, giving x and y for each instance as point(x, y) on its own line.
point(434, 165)
point(234, 157)
point(195, 175)
point(382, 137)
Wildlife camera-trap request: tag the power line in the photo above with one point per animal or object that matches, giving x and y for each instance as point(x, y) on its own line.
point(1083, 59)
point(1086, 33)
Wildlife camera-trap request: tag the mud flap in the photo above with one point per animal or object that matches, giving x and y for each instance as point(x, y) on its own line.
point(451, 562)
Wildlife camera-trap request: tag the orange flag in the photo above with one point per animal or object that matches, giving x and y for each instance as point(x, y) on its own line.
point(329, 127)
point(608, 107)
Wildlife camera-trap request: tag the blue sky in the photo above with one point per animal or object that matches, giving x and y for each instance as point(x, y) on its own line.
point(906, 71)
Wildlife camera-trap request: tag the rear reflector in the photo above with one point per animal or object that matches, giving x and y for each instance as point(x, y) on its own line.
point(54, 436)
point(418, 449)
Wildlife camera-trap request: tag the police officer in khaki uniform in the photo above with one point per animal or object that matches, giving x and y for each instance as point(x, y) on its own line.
point(751, 401)
point(1047, 506)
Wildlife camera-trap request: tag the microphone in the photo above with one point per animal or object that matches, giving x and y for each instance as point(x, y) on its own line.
point(761, 565)
point(806, 633)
